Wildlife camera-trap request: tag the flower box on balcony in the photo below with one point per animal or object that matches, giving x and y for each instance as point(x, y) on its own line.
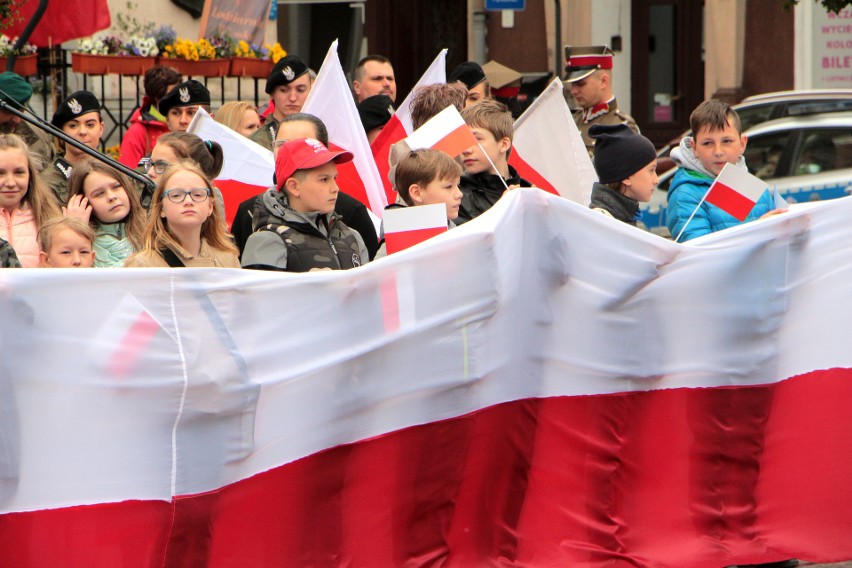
point(91, 64)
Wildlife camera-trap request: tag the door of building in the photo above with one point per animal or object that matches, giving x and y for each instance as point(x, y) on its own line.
point(413, 32)
point(668, 65)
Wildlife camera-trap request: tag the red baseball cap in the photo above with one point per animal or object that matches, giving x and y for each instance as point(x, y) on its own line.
point(304, 154)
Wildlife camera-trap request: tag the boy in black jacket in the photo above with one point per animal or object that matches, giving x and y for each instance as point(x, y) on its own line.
point(481, 186)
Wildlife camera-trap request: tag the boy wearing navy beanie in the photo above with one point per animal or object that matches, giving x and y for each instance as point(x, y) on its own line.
point(626, 164)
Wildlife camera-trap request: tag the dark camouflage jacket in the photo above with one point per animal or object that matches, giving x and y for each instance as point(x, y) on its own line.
point(40, 142)
point(8, 258)
point(289, 240)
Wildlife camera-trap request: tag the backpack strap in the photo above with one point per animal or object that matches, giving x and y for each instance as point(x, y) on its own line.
point(171, 258)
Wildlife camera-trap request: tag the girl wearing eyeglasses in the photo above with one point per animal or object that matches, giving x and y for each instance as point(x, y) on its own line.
point(103, 198)
point(176, 146)
point(185, 224)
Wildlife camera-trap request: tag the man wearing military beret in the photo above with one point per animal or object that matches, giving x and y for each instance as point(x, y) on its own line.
point(589, 79)
point(289, 84)
point(16, 91)
point(181, 103)
point(78, 116)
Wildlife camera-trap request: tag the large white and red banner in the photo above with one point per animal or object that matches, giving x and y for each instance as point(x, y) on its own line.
point(548, 150)
point(564, 390)
point(331, 100)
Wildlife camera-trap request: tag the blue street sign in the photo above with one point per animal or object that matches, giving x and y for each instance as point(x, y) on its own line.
point(516, 5)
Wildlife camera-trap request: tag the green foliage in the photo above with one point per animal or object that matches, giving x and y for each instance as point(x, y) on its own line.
point(10, 13)
point(829, 5)
point(130, 26)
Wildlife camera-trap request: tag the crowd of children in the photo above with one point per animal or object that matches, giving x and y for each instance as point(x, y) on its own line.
point(94, 217)
point(304, 221)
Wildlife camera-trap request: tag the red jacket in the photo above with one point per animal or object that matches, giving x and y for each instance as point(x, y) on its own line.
point(141, 136)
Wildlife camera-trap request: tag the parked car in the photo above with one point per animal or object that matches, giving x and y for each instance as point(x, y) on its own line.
point(807, 158)
point(758, 109)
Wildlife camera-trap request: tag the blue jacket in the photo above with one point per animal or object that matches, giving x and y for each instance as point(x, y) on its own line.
point(685, 192)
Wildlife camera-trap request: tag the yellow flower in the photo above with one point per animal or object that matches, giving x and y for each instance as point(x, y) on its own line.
point(276, 52)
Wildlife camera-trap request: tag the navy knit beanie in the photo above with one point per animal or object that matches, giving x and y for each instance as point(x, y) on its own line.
point(619, 152)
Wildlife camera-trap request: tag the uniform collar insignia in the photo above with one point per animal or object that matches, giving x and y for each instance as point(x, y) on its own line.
point(63, 166)
point(598, 110)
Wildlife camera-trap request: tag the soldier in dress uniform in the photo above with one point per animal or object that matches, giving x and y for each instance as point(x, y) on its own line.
point(288, 84)
point(78, 116)
point(589, 79)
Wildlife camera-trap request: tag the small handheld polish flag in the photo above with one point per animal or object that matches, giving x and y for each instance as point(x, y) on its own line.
point(406, 227)
point(446, 131)
point(400, 124)
point(735, 191)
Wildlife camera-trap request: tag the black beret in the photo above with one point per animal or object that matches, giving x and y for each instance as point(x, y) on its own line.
point(375, 111)
point(470, 73)
point(619, 152)
point(13, 87)
point(187, 93)
point(76, 105)
point(287, 70)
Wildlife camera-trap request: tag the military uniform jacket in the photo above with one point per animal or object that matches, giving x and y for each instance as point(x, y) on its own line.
point(56, 177)
point(38, 141)
point(265, 135)
point(605, 113)
point(284, 239)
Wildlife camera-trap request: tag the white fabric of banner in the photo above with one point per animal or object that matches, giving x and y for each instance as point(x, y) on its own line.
point(249, 370)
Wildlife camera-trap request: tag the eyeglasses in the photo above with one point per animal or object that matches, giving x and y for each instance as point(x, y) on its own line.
point(278, 143)
point(197, 194)
point(159, 166)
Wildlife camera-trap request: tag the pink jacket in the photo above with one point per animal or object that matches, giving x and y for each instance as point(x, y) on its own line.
point(19, 228)
point(141, 136)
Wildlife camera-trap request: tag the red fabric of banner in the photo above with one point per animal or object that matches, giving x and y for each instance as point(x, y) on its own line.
point(702, 477)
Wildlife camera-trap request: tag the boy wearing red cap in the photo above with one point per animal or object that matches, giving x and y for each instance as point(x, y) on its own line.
point(295, 227)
